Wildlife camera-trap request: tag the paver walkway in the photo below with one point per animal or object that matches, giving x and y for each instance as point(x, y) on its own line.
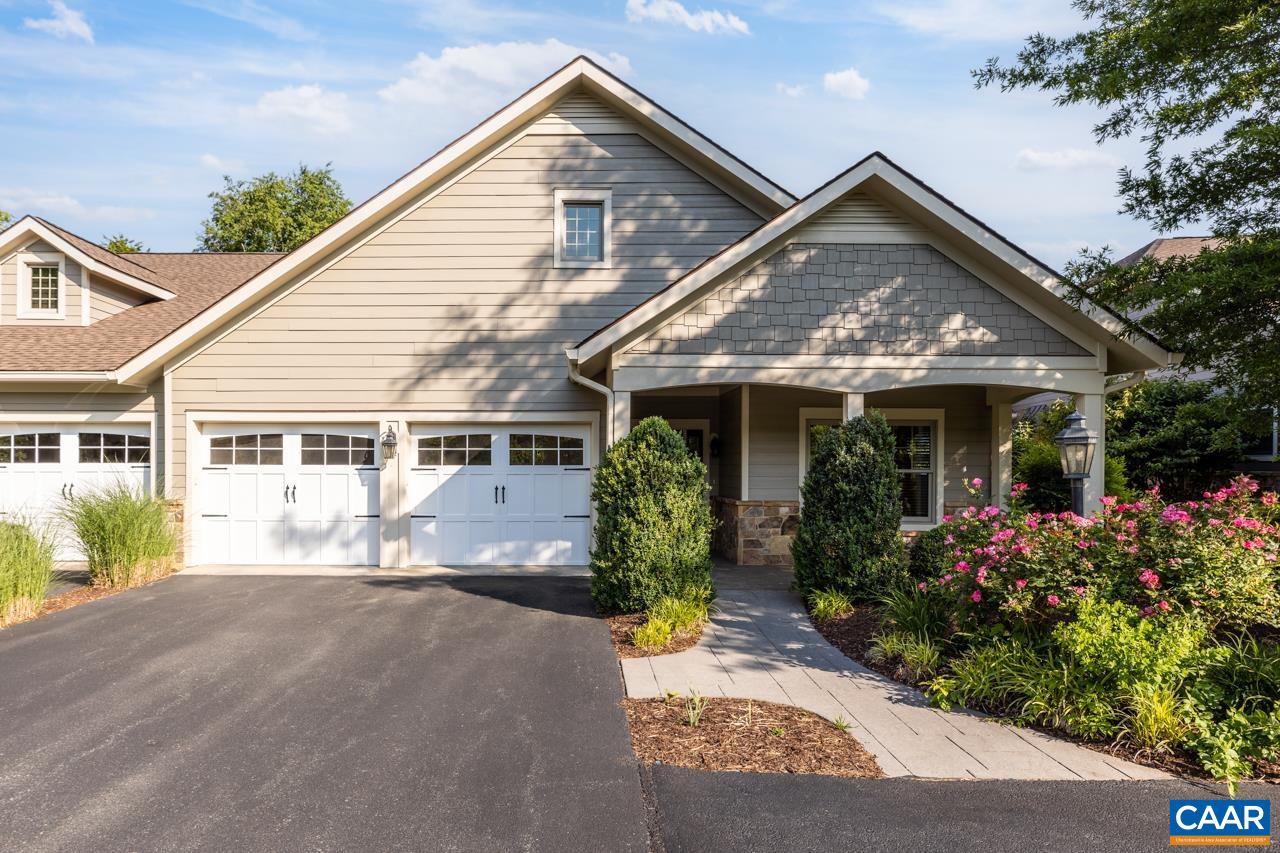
point(761, 645)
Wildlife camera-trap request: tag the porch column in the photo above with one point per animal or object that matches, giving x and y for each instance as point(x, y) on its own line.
point(854, 406)
point(1091, 406)
point(1001, 453)
point(620, 417)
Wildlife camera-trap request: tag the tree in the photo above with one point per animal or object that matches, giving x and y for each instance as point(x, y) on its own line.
point(273, 213)
point(1184, 437)
point(1199, 82)
point(653, 520)
point(122, 245)
point(6, 219)
point(848, 537)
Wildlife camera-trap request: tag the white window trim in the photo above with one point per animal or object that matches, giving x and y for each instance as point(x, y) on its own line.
point(27, 260)
point(602, 197)
point(935, 416)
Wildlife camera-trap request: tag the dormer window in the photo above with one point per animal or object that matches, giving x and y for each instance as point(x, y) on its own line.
point(582, 228)
point(44, 288)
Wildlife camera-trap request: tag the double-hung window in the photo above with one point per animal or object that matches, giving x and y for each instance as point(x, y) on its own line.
point(583, 226)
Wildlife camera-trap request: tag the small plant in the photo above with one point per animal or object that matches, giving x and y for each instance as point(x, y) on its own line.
point(916, 612)
point(777, 731)
point(694, 707)
point(26, 570)
point(126, 535)
point(842, 725)
point(653, 634)
point(920, 656)
point(684, 612)
point(829, 604)
point(1158, 720)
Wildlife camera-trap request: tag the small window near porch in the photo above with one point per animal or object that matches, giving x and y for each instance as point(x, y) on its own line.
point(915, 459)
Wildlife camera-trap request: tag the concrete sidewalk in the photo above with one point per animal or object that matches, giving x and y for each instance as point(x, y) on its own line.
point(761, 645)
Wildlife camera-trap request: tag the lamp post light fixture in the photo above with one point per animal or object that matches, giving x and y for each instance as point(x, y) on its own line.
point(1076, 446)
point(388, 442)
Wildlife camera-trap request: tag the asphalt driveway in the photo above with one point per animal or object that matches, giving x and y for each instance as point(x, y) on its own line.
point(257, 713)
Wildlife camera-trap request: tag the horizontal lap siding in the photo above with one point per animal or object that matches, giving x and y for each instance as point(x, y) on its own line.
point(106, 299)
point(773, 456)
point(457, 305)
point(9, 289)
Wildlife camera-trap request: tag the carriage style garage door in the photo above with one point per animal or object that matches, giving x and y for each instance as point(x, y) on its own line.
point(500, 495)
point(42, 465)
point(285, 494)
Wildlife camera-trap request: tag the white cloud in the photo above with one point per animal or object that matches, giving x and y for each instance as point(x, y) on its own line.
point(848, 83)
point(22, 200)
point(1064, 159)
point(65, 23)
point(789, 90)
point(218, 164)
point(256, 15)
point(711, 21)
point(310, 108)
point(476, 75)
point(984, 20)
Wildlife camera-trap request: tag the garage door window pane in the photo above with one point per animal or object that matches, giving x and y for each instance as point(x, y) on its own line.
point(545, 450)
point(456, 450)
point(255, 449)
point(30, 448)
point(115, 448)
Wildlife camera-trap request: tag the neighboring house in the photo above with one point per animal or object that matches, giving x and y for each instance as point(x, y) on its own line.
point(580, 260)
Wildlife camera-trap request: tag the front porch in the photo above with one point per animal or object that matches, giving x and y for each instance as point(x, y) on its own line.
point(756, 440)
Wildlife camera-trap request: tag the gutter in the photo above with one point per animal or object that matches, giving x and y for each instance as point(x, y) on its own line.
point(575, 376)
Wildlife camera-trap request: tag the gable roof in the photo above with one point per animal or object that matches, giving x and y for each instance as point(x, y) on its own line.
point(197, 280)
point(753, 188)
point(874, 169)
point(1163, 248)
point(88, 254)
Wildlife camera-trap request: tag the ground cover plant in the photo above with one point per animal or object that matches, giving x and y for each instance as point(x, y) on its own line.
point(126, 535)
point(672, 624)
point(26, 570)
point(1151, 625)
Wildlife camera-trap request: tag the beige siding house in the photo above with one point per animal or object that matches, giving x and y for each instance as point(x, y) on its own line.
point(432, 379)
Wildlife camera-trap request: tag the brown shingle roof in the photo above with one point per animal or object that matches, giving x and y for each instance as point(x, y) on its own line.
point(197, 279)
point(1164, 248)
point(120, 263)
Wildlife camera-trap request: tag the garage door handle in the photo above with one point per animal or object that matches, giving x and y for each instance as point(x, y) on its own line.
point(64, 491)
point(286, 494)
point(504, 494)
point(495, 494)
point(294, 494)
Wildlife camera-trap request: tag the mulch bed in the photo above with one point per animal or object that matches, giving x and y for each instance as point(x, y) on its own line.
point(72, 598)
point(746, 736)
point(852, 634)
point(622, 627)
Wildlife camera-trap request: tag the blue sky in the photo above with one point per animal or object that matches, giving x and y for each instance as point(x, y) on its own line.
point(117, 115)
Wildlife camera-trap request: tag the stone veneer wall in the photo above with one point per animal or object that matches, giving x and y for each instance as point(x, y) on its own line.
point(755, 533)
point(860, 299)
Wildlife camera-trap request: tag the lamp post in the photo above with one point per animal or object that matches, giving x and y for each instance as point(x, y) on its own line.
point(1076, 445)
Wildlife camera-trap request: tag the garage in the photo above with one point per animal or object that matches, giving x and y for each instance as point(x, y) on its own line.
point(500, 495)
point(43, 464)
point(274, 495)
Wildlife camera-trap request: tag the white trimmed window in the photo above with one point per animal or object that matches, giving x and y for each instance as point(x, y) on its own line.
point(42, 288)
point(583, 226)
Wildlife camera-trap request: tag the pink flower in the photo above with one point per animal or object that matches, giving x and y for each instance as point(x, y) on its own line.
point(977, 596)
point(1149, 579)
point(1078, 590)
point(1173, 515)
point(1163, 605)
point(1020, 583)
point(921, 586)
point(1053, 600)
point(977, 482)
point(1018, 488)
point(948, 539)
point(1269, 499)
point(1108, 500)
point(962, 566)
point(946, 518)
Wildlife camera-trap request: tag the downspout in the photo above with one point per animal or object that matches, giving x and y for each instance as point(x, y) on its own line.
point(577, 377)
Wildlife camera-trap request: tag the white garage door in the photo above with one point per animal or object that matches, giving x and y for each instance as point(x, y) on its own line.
point(42, 465)
point(500, 496)
point(278, 495)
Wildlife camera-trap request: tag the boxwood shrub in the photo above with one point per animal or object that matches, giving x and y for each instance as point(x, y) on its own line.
point(848, 538)
point(653, 520)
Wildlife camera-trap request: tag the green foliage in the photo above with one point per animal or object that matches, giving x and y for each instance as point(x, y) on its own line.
point(928, 555)
point(694, 707)
point(1113, 645)
point(920, 656)
point(1247, 673)
point(273, 213)
point(6, 219)
point(1158, 720)
point(1228, 746)
point(122, 245)
point(653, 529)
point(683, 612)
point(848, 537)
point(829, 604)
point(126, 535)
point(26, 570)
point(1036, 462)
point(653, 634)
point(915, 612)
point(1184, 437)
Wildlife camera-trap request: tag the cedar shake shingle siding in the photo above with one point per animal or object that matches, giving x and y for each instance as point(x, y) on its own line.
point(858, 299)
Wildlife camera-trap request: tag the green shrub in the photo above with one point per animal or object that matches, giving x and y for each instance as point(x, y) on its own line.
point(682, 612)
point(653, 529)
point(1158, 720)
point(1112, 645)
point(1037, 465)
point(848, 537)
point(1246, 673)
point(928, 554)
point(920, 656)
point(126, 535)
point(653, 634)
point(829, 604)
point(26, 570)
point(916, 612)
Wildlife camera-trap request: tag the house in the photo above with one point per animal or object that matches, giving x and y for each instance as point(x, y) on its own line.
point(431, 379)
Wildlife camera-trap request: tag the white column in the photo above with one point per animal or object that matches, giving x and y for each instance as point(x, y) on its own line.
point(744, 458)
point(1091, 406)
point(1001, 453)
point(620, 417)
point(854, 406)
point(393, 529)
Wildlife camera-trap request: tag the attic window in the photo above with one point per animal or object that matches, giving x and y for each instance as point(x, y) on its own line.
point(44, 288)
point(41, 286)
point(582, 230)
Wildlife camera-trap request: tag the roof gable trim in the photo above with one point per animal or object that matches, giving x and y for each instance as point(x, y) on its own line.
point(30, 227)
